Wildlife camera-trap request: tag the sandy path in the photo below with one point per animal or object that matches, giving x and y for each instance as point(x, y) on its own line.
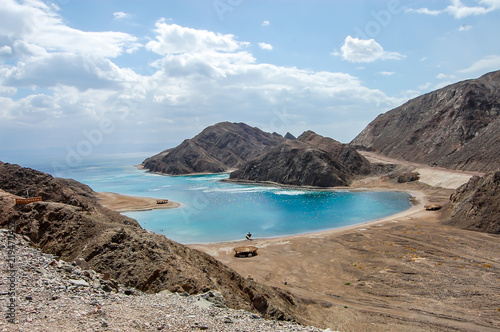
point(123, 203)
point(433, 176)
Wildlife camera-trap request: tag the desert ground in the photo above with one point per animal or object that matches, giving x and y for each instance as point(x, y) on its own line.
point(124, 203)
point(406, 272)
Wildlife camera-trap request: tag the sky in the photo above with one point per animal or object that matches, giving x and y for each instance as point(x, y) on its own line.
point(85, 78)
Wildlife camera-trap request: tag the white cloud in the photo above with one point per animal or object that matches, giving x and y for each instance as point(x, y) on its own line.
point(464, 27)
point(425, 86)
point(74, 70)
point(265, 46)
point(491, 62)
point(35, 23)
point(424, 11)
point(120, 15)
point(441, 76)
point(265, 23)
point(5, 50)
point(459, 10)
point(201, 77)
point(172, 38)
point(361, 50)
point(387, 73)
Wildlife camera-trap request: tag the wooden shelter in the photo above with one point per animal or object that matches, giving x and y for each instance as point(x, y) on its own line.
point(432, 207)
point(246, 251)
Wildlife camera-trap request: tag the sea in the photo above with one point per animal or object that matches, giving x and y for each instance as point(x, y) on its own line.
point(216, 211)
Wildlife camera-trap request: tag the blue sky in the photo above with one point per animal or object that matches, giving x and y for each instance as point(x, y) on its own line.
point(82, 78)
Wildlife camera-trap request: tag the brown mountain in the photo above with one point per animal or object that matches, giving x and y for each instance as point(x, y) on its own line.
point(310, 160)
point(456, 127)
point(216, 149)
point(475, 205)
point(70, 223)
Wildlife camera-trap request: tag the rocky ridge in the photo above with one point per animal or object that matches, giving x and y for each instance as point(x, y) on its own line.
point(454, 127)
point(310, 160)
point(58, 296)
point(71, 224)
point(216, 149)
point(475, 205)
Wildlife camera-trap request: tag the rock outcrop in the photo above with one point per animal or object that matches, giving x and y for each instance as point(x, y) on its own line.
point(455, 127)
point(310, 160)
point(70, 223)
point(216, 149)
point(476, 204)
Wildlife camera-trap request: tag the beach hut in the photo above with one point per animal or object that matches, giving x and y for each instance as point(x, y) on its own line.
point(432, 207)
point(246, 251)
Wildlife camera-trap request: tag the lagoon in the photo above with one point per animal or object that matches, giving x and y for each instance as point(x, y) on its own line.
point(215, 211)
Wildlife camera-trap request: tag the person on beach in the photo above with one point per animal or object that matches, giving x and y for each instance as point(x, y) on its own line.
point(249, 236)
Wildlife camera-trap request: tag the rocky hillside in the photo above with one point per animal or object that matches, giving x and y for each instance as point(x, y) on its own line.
point(216, 149)
point(310, 160)
point(456, 127)
point(70, 223)
point(63, 296)
point(476, 204)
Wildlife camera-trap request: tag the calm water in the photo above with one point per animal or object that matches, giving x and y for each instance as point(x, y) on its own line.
point(215, 211)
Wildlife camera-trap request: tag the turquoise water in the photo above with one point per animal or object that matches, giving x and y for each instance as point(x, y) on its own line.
point(214, 211)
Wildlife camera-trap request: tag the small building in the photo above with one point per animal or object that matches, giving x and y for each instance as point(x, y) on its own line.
point(246, 251)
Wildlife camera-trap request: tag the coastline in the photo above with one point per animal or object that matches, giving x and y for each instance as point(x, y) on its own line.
point(124, 203)
point(400, 272)
point(404, 271)
point(416, 196)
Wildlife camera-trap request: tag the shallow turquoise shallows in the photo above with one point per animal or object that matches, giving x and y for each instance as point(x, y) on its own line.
point(214, 211)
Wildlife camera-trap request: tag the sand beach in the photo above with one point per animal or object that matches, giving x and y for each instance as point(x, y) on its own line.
point(408, 271)
point(124, 203)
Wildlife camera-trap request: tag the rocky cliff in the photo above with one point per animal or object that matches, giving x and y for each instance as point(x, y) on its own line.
point(216, 149)
point(70, 223)
point(456, 127)
point(310, 160)
point(476, 204)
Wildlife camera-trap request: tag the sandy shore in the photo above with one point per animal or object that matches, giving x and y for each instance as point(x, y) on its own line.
point(123, 203)
point(406, 272)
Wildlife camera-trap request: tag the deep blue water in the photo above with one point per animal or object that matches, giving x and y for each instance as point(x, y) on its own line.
point(214, 211)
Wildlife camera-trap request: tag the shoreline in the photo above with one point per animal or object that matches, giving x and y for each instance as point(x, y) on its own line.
point(125, 203)
point(399, 272)
point(416, 196)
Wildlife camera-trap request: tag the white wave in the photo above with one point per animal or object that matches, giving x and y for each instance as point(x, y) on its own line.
point(239, 190)
point(156, 189)
point(291, 192)
point(198, 188)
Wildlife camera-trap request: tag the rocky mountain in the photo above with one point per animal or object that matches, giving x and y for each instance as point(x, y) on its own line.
point(216, 149)
point(310, 160)
point(456, 127)
point(70, 223)
point(476, 204)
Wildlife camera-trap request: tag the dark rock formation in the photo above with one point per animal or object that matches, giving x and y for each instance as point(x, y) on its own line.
point(476, 204)
point(216, 149)
point(343, 153)
point(70, 223)
point(289, 136)
point(311, 160)
point(456, 127)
